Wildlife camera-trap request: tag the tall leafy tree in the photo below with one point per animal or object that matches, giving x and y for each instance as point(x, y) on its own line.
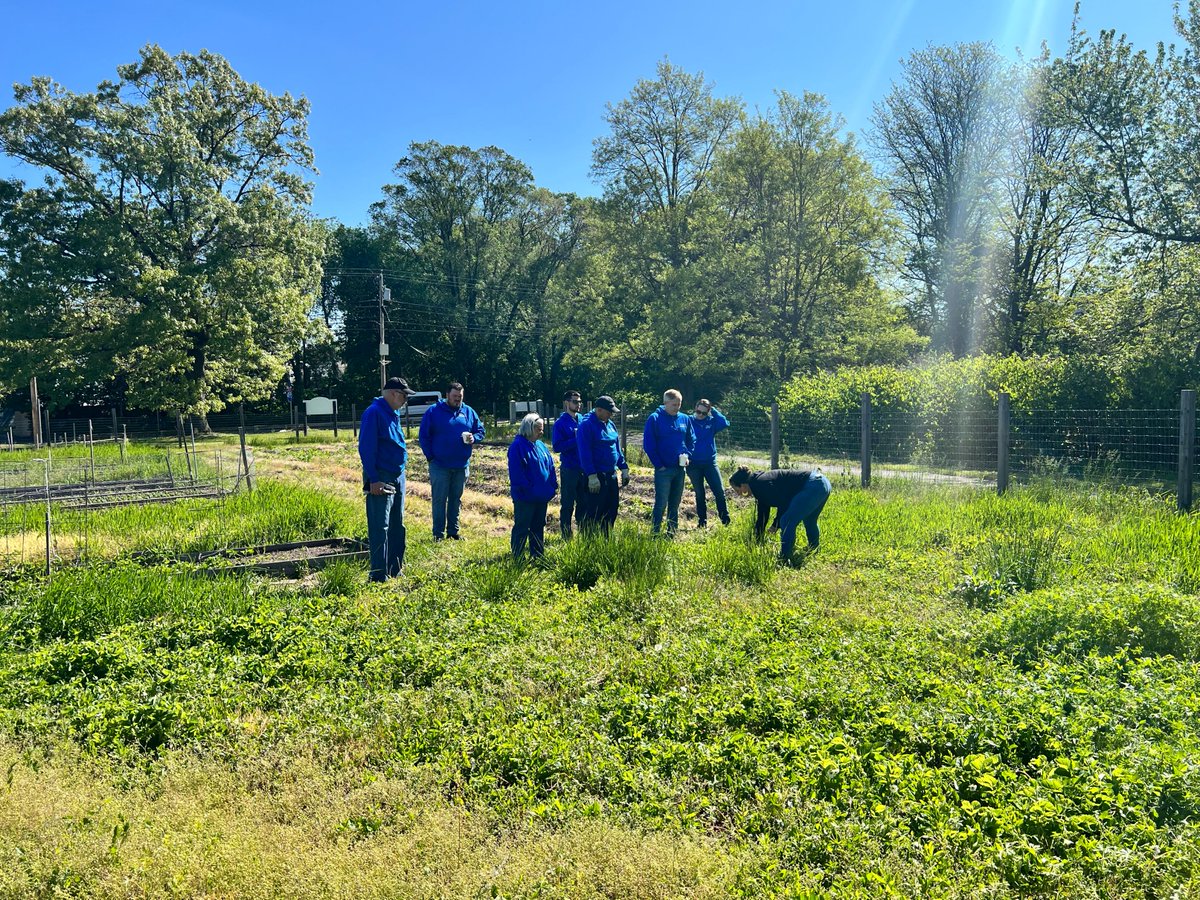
point(941, 134)
point(807, 215)
point(172, 231)
point(669, 296)
point(486, 243)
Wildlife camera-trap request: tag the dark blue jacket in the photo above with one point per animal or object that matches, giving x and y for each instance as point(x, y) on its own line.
point(666, 436)
point(441, 432)
point(599, 446)
point(706, 436)
point(530, 471)
point(563, 439)
point(381, 444)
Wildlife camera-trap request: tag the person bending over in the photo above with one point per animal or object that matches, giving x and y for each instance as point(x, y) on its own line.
point(796, 495)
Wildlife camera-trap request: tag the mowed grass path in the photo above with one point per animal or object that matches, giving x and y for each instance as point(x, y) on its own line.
point(960, 695)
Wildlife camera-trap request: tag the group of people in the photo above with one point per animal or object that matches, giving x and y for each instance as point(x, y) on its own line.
point(592, 466)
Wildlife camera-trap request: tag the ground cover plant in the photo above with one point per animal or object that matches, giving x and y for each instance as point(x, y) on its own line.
point(630, 717)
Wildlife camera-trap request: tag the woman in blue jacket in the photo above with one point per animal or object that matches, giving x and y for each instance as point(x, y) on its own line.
point(706, 423)
point(533, 485)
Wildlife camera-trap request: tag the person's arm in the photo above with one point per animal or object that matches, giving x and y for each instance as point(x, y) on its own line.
point(425, 433)
point(517, 476)
point(553, 474)
point(760, 523)
point(368, 445)
point(720, 423)
point(650, 443)
point(621, 464)
point(584, 442)
point(478, 429)
point(564, 437)
point(689, 436)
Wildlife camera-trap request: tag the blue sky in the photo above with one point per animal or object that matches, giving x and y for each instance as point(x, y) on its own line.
point(530, 77)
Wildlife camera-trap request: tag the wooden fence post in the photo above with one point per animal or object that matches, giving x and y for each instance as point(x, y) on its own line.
point(865, 443)
point(1002, 431)
point(775, 434)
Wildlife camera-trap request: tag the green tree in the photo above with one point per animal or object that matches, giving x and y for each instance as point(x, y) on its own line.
point(670, 316)
point(487, 243)
point(171, 246)
point(941, 132)
point(808, 220)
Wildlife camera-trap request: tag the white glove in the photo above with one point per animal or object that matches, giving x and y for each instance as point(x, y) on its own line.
point(593, 484)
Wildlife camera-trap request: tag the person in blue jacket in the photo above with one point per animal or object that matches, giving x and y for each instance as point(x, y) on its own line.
point(449, 431)
point(563, 441)
point(532, 484)
point(706, 422)
point(383, 452)
point(602, 463)
point(668, 440)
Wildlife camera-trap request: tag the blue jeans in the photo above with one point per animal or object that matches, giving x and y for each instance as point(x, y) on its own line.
point(446, 485)
point(668, 491)
point(572, 503)
point(805, 507)
point(698, 474)
point(385, 528)
point(529, 525)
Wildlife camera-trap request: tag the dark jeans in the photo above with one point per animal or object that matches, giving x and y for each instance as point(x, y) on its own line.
point(572, 503)
point(529, 524)
point(668, 491)
point(805, 507)
point(446, 486)
point(698, 474)
point(599, 511)
point(385, 528)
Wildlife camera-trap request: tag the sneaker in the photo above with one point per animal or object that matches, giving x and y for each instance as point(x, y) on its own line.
point(454, 537)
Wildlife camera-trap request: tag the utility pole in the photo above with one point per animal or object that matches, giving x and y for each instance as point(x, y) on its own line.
point(385, 294)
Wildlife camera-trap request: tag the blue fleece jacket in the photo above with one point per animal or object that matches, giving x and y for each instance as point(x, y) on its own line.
point(531, 475)
point(563, 438)
point(706, 435)
point(599, 446)
point(666, 436)
point(381, 444)
point(441, 434)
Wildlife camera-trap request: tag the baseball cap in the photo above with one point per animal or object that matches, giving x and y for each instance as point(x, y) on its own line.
point(606, 402)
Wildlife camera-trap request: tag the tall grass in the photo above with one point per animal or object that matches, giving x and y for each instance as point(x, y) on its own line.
point(628, 555)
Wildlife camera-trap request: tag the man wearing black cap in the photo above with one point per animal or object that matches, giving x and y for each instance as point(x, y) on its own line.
point(383, 453)
point(602, 462)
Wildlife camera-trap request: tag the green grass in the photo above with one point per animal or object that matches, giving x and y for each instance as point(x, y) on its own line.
point(632, 717)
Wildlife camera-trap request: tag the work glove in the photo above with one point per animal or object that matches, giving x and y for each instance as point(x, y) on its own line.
point(593, 484)
point(624, 477)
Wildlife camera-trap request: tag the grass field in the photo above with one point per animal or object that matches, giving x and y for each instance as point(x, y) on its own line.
point(959, 696)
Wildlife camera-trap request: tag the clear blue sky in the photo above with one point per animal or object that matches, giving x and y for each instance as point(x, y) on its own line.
point(530, 77)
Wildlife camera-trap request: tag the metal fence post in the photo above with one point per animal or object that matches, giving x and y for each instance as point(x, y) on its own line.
point(865, 444)
point(1002, 429)
point(1187, 449)
point(92, 451)
point(775, 434)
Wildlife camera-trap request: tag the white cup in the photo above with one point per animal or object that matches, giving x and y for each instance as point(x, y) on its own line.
point(468, 438)
point(683, 459)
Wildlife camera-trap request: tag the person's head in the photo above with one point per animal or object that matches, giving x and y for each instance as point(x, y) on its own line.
point(740, 481)
point(396, 392)
point(604, 407)
point(531, 426)
point(672, 400)
point(454, 394)
point(703, 407)
point(572, 401)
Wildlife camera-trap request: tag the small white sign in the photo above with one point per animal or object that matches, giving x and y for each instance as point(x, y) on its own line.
point(383, 349)
point(319, 406)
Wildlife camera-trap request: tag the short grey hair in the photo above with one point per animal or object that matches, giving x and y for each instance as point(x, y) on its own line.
point(527, 424)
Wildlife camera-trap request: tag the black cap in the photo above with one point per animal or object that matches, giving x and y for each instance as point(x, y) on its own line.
point(398, 384)
point(606, 402)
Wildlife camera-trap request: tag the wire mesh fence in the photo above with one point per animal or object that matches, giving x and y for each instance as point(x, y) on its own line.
point(47, 502)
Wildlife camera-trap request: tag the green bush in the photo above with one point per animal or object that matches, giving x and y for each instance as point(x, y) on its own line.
point(1145, 620)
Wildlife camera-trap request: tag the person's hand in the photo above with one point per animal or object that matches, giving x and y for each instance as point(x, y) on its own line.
point(377, 488)
point(624, 478)
point(593, 484)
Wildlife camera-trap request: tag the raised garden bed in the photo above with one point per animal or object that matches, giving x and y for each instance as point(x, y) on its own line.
point(282, 560)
